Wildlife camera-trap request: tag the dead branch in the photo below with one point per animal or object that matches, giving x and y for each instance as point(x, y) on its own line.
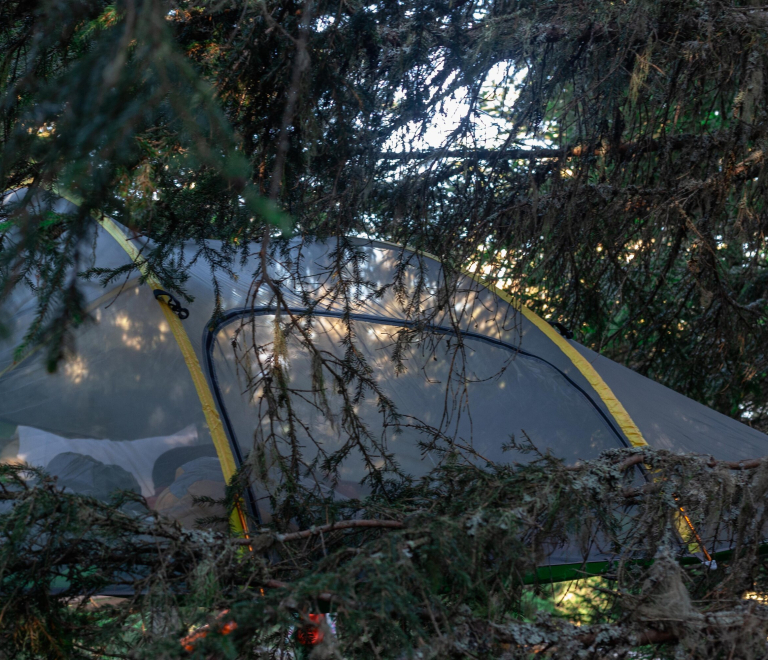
point(642, 638)
point(750, 464)
point(332, 527)
point(623, 151)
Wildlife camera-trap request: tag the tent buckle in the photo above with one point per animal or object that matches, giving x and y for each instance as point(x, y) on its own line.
point(175, 305)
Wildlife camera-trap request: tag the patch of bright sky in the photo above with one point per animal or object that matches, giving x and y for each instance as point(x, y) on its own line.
point(488, 121)
point(324, 22)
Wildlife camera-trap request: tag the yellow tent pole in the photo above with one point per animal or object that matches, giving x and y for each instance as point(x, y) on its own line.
point(615, 407)
point(215, 426)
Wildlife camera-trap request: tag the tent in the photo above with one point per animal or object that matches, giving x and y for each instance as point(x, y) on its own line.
point(170, 398)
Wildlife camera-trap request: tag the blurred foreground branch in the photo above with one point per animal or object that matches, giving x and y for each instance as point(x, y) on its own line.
point(448, 566)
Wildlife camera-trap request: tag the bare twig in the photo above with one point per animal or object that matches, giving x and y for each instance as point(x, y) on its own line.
point(333, 527)
point(300, 65)
point(749, 464)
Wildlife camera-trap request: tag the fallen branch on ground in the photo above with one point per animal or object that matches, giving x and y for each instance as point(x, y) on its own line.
point(331, 527)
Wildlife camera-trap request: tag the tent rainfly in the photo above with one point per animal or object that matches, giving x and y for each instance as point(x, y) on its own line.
point(168, 401)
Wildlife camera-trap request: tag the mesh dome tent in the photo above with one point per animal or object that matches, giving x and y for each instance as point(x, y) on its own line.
point(369, 358)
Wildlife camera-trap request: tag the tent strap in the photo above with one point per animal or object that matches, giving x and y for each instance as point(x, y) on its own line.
point(212, 418)
point(216, 428)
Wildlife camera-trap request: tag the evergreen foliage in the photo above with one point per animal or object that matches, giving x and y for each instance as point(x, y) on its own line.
point(624, 198)
point(443, 568)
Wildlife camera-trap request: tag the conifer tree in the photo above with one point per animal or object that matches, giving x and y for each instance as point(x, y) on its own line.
point(621, 193)
point(624, 196)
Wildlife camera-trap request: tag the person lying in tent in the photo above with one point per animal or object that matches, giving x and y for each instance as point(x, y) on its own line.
point(181, 477)
point(171, 472)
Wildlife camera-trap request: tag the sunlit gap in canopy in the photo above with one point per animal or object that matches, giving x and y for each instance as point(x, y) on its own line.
point(488, 125)
point(488, 122)
point(489, 128)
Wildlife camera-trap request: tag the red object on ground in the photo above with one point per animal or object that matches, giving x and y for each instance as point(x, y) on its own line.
point(188, 643)
point(311, 634)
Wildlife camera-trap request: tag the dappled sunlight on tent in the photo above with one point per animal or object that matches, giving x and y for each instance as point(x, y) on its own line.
point(373, 362)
